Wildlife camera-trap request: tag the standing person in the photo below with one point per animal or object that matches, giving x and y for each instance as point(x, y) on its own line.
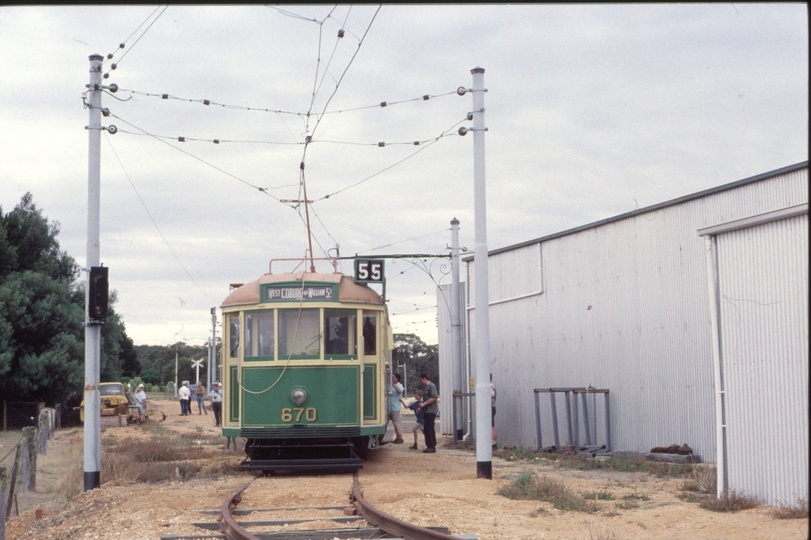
point(184, 394)
point(395, 393)
point(140, 402)
point(494, 435)
point(430, 408)
point(216, 403)
point(419, 414)
point(200, 395)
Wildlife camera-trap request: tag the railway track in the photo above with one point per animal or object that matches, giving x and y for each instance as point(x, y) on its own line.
point(360, 518)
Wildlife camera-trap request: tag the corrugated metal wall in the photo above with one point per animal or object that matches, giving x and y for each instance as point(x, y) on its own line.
point(621, 304)
point(763, 293)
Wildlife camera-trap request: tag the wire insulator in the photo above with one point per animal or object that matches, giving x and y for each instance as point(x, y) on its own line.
point(416, 143)
point(216, 141)
point(121, 45)
point(181, 139)
point(113, 66)
point(381, 144)
point(383, 104)
point(165, 96)
point(426, 97)
point(206, 102)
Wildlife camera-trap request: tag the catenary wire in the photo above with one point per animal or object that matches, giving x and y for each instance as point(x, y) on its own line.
point(174, 254)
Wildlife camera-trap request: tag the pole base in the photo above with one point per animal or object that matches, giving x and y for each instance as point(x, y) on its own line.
point(484, 469)
point(92, 480)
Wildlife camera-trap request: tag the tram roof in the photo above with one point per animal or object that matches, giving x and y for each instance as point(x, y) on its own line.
point(348, 290)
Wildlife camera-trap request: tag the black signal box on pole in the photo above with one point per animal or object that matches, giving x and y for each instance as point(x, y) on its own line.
point(98, 293)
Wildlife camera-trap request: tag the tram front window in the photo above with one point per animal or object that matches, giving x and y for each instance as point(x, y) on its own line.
point(340, 326)
point(259, 334)
point(299, 333)
point(233, 332)
point(369, 333)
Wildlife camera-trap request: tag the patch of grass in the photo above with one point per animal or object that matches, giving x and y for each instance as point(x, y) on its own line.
point(518, 454)
point(602, 535)
point(657, 468)
point(526, 487)
point(540, 511)
point(635, 497)
point(599, 495)
point(627, 505)
point(730, 501)
point(702, 479)
point(786, 511)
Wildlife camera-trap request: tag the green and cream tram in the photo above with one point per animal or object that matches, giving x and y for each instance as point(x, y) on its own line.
point(305, 367)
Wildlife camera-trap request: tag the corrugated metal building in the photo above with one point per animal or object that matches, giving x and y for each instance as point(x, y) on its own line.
point(625, 304)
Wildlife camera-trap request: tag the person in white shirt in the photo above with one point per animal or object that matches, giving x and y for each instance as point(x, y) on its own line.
point(184, 399)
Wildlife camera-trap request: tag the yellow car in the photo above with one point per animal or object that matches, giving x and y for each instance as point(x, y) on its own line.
point(115, 401)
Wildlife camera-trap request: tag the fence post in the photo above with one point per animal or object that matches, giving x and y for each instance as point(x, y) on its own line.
point(30, 480)
point(3, 483)
point(14, 470)
point(43, 433)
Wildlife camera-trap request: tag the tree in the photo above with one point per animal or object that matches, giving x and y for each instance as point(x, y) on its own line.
point(130, 366)
point(42, 313)
point(151, 376)
point(417, 357)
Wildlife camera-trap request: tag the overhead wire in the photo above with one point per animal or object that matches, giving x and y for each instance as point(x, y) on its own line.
point(258, 188)
point(155, 223)
point(210, 103)
point(123, 43)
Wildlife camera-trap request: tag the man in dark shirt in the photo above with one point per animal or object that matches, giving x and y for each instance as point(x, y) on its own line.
point(430, 408)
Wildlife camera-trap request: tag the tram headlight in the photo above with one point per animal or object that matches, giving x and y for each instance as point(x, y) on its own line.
point(298, 395)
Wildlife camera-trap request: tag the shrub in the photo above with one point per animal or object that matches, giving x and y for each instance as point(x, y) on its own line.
point(702, 480)
point(786, 511)
point(729, 501)
point(527, 487)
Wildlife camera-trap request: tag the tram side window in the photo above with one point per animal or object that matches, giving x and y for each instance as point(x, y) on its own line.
point(299, 333)
point(340, 327)
point(369, 333)
point(233, 333)
point(259, 334)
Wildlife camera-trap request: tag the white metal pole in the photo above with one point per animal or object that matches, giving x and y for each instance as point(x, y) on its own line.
point(92, 332)
point(720, 420)
point(456, 327)
point(484, 449)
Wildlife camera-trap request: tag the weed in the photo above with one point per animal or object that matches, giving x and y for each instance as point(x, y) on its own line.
point(656, 468)
point(602, 535)
point(540, 511)
point(527, 487)
point(599, 495)
point(729, 501)
point(520, 454)
point(786, 511)
point(702, 480)
point(635, 497)
point(627, 505)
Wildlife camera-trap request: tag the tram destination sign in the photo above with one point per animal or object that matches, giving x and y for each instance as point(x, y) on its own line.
point(306, 293)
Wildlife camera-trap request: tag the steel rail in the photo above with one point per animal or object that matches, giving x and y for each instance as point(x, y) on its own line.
point(391, 524)
point(228, 526)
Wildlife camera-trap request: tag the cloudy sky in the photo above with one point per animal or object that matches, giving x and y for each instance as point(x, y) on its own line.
point(591, 110)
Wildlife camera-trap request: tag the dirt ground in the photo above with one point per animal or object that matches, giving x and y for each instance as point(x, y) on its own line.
point(428, 489)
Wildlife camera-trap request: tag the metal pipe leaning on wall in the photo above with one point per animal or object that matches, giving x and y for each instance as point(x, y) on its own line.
point(572, 420)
